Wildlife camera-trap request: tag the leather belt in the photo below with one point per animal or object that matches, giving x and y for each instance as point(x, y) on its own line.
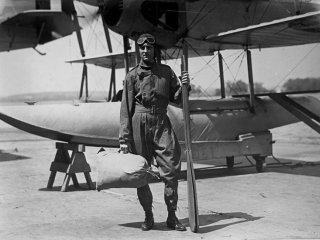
point(154, 110)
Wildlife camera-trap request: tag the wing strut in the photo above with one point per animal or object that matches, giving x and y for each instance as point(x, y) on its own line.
point(78, 32)
point(251, 83)
point(84, 79)
point(126, 47)
point(222, 85)
point(299, 111)
point(38, 40)
point(106, 29)
point(112, 86)
point(13, 37)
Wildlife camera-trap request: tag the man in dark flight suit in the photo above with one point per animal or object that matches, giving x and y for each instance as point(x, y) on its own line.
point(145, 128)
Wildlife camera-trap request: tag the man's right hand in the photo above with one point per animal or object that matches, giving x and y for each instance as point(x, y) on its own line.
point(124, 148)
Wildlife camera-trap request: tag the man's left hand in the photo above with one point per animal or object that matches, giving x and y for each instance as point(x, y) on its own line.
point(124, 148)
point(185, 78)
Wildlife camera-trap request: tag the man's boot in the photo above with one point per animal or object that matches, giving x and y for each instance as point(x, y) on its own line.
point(173, 222)
point(148, 221)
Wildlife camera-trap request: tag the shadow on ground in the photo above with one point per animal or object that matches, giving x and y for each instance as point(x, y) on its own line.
point(71, 188)
point(282, 166)
point(208, 222)
point(298, 168)
point(5, 157)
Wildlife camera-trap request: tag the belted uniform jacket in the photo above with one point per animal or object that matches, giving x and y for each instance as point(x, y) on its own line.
point(153, 86)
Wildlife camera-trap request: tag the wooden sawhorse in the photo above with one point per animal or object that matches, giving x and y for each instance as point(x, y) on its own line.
point(77, 163)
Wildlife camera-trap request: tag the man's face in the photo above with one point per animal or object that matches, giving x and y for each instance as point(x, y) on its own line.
point(146, 52)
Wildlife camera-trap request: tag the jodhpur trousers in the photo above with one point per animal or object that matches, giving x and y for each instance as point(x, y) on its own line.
point(154, 138)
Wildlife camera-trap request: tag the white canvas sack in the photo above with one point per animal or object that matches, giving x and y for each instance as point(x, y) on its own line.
point(118, 170)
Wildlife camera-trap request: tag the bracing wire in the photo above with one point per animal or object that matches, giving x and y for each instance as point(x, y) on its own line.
point(264, 12)
point(206, 65)
point(94, 33)
point(92, 28)
point(284, 8)
point(228, 67)
point(89, 39)
point(177, 57)
point(241, 61)
point(204, 90)
point(217, 78)
point(201, 56)
point(254, 12)
point(238, 72)
point(198, 14)
point(298, 63)
point(239, 55)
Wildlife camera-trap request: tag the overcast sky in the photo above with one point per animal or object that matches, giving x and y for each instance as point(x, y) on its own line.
point(26, 71)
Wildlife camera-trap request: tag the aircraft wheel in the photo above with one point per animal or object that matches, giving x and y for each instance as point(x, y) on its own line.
point(260, 163)
point(230, 162)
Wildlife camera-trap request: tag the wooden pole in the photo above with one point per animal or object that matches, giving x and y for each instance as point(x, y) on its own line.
point(192, 191)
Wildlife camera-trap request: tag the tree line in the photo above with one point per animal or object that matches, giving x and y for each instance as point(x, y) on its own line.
point(232, 88)
point(241, 87)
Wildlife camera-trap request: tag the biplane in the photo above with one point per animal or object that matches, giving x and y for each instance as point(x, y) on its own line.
point(225, 127)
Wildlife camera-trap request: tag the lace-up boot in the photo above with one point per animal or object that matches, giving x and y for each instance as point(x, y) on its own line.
point(148, 221)
point(173, 222)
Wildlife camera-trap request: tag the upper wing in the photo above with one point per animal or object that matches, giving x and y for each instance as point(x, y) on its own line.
point(300, 29)
point(55, 21)
point(29, 28)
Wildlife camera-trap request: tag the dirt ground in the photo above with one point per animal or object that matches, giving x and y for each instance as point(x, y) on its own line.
point(281, 203)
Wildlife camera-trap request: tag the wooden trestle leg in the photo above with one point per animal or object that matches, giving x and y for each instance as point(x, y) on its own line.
point(77, 163)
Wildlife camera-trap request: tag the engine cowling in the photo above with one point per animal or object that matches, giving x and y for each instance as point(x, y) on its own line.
point(134, 17)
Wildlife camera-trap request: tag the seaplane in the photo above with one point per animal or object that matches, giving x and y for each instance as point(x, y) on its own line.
point(219, 128)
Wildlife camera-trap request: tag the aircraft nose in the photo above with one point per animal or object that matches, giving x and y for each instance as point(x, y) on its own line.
point(111, 11)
